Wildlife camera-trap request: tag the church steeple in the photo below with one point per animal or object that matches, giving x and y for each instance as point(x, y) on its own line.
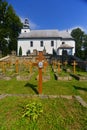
point(26, 27)
point(26, 23)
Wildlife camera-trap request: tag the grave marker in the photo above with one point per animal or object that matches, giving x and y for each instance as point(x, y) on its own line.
point(30, 66)
point(40, 64)
point(45, 65)
point(3, 67)
point(59, 64)
point(65, 63)
point(74, 66)
point(16, 66)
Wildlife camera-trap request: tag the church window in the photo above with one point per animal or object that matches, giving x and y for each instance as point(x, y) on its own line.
point(52, 43)
point(31, 43)
point(41, 43)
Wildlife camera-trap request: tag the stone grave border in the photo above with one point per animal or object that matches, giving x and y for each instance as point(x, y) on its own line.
point(78, 98)
point(78, 77)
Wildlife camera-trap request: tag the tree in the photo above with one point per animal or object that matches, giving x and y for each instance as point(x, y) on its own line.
point(78, 35)
point(10, 26)
point(20, 51)
point(85, 46)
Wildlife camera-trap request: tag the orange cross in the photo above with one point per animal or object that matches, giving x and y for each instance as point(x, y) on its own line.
point(16, 65)
point(74, 66)
point(58, 66)
point(40, 64)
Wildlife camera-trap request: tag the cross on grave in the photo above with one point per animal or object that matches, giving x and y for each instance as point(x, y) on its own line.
point(54, 64)
point(65, 64)
point(30, 66)
point(40, 64)
point(25, 63)
point(8, 63)
point(58, 63)
point(16, 66)
point(74, 66)
point(45, 65)
point(3, 67)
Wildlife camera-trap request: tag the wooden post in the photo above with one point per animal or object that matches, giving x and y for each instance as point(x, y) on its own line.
point(45, 65)
point(41, 64)
point(16, 65)
point(65, 63)
point(3, 67)
point(30, 66)
point(58, 66)
point(74, 66)
point(54, 64)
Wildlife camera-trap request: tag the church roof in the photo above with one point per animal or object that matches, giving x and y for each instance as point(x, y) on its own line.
point(65, 46)
point(45, 34)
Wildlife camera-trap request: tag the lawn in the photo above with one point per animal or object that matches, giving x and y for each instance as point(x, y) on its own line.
point(58, 114)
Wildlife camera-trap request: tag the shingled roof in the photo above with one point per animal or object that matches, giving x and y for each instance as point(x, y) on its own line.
point(45, 34)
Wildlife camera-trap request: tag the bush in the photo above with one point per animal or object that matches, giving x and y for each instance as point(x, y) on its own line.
point(33, 111)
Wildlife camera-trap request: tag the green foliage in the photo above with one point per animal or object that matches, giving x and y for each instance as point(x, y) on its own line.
point(81, 43)
point(10, 25)
point(78, 34)
point(20, 51)
point(33, 111)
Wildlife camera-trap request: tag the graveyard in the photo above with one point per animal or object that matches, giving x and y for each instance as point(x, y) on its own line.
point(56, 93)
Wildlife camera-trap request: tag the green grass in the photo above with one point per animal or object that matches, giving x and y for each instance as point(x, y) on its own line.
point(58, 114)
point(51, 87)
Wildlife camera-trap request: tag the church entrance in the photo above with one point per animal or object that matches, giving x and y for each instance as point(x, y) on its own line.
point(64, 55)
point(64, 52)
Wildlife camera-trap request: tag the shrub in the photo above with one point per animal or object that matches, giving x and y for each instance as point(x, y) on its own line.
point(33, 111)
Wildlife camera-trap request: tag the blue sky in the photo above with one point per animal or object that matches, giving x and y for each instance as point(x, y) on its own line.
point(52, 14)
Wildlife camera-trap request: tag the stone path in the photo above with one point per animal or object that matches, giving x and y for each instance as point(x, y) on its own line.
point(78, 98)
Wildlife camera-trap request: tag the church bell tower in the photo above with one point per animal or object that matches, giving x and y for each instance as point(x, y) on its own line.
point(26, 27)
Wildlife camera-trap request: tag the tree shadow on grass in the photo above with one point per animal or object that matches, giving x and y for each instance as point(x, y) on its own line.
point(33, 87)
point(80, 88)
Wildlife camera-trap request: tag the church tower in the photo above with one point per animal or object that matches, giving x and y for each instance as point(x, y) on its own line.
point(26, 27)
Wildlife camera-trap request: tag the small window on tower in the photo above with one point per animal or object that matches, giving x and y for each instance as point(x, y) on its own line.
point(31, 43)
point(41, 43)
point(52, 43)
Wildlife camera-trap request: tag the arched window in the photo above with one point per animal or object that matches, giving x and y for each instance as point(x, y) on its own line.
point(52, 43)
point(31, 44)
point(41, 43)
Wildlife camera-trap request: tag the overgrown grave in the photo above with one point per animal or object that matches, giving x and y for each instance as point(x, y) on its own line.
point(60, 71)
point(78, 73)
point(25, 70)
point(16, 69)
point(4, 68)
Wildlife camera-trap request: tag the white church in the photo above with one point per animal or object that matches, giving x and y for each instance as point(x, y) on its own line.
point(30, 40)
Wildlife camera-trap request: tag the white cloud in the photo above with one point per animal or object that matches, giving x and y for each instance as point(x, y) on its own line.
point(32, 24)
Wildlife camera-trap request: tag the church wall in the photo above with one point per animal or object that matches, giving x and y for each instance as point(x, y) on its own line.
point(25, 44)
